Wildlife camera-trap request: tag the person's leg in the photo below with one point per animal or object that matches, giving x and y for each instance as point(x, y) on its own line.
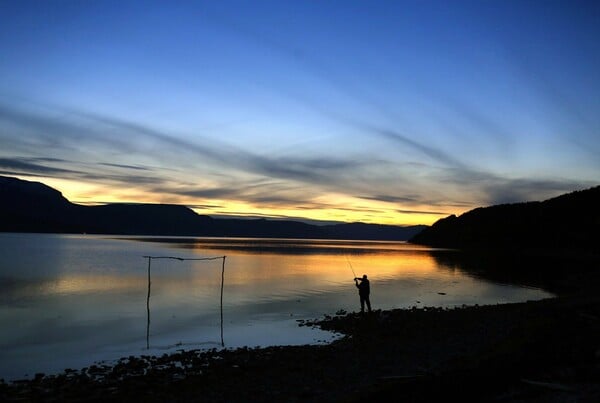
point(362, 303)
point(368, 301)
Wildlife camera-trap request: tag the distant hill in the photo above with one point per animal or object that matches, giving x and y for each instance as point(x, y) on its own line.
point(34, 207)
point(570, 221)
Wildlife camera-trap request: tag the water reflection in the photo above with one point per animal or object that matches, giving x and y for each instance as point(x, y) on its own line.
point(507, 268)
point(69, 300)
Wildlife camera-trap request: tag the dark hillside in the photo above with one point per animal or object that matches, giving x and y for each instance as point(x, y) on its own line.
point(570, 221)
point(33, 207)
point(146, 219)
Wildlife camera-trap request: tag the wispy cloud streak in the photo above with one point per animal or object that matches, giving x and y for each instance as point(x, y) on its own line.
point(22, 165)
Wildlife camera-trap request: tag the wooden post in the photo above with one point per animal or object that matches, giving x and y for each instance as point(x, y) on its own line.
point(222, 283)
point(148, 308)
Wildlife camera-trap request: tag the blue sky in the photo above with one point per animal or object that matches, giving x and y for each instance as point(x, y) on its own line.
point(395, 112)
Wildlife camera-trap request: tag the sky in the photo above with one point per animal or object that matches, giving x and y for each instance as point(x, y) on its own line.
point(394, 112)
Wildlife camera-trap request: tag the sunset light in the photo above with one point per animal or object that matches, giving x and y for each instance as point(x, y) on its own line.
point(385, 112)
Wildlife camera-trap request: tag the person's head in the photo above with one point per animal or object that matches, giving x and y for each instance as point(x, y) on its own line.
point(364, 276)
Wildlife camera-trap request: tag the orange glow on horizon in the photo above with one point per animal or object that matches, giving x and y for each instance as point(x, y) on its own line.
point(342, 208)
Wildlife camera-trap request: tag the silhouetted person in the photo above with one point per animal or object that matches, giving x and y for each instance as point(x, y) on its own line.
point(364, 289)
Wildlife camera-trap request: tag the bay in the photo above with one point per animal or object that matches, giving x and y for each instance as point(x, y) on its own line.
point(72, 300)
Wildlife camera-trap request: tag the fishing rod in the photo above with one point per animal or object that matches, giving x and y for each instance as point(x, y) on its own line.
point(352, 268)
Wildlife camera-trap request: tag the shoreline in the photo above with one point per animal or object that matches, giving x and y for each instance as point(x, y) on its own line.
point(505, 352)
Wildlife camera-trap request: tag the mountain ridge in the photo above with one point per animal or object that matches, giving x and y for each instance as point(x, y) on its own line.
point(27, 206)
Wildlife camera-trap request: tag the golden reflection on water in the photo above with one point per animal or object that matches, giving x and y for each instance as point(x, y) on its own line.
point(254, 264)
point(246, 268)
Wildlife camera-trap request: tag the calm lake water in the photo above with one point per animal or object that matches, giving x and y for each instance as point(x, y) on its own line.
point(72, 300)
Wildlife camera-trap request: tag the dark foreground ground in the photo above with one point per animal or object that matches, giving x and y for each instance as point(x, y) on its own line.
point(544, 351)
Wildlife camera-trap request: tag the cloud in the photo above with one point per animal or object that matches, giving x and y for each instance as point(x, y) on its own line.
point(208, 193)
point(473, 126)
point(434, 153)
point(264, 194)
point(130, 180)
point(48, 159)
point(51, 129)
point(205, 206)
point(134, 167)
point(24, 166)
point(304, 169)
point(421, 212)
point(280, 217)
point(393, 199)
